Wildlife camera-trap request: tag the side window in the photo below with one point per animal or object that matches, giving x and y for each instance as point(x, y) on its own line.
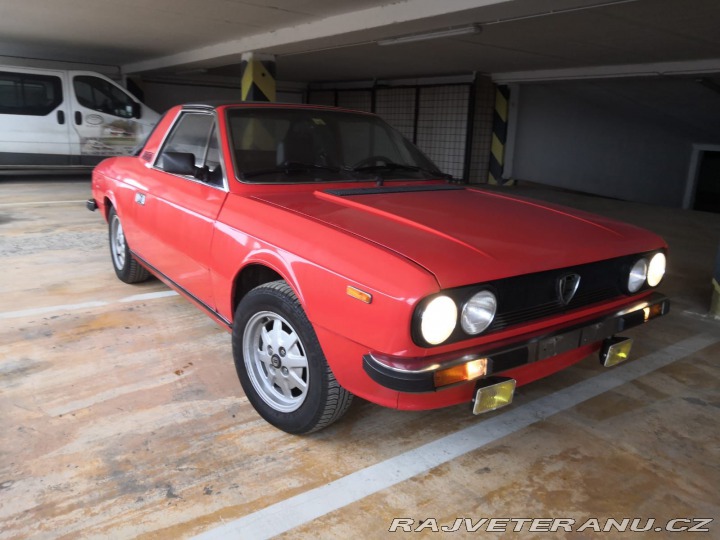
point(102, 96)
point(28, 94)
point(195, 134)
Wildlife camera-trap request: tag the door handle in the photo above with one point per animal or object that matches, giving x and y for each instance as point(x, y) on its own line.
point(140, 198)
point(78, 118)
point(61, 117)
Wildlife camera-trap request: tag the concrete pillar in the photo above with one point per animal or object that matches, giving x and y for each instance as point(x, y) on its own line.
point(715, 304)
point(258, 77)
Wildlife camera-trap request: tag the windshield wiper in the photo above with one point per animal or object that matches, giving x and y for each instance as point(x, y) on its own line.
point(392, 166)
point(290, 167)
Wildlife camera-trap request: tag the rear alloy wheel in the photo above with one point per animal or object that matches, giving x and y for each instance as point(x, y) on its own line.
point(281, 365)
point(126, 267)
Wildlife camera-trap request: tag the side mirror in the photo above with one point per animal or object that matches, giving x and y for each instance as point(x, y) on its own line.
point(182, 163)
point(136, 110)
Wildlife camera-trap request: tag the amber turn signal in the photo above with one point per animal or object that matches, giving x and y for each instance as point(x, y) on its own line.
point(464, 372)
point(358, 294)
point(653, 311)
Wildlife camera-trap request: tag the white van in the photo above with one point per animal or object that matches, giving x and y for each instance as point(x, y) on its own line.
point(69, 118)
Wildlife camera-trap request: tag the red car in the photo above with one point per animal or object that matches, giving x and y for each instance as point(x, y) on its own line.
point(345, 263)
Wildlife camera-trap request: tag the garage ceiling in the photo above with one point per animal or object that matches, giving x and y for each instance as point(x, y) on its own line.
point(317, 40)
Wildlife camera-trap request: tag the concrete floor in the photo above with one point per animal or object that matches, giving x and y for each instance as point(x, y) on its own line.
point(122, 416)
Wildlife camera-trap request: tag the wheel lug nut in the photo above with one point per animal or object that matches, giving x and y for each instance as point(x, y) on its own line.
point(270, 349)
point(282, 351)
point(285, 371)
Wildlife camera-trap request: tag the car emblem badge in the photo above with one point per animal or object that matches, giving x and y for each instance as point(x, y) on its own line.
point(567, 286)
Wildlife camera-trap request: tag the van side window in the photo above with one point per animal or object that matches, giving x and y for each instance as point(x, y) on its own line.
point(99, 95)
point(30, 95)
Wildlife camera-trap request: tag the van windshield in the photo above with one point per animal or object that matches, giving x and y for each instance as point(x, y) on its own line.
point(284, 145)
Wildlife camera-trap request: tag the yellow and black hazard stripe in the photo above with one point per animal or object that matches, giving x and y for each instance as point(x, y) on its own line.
point(258, 80)
point(499, 136)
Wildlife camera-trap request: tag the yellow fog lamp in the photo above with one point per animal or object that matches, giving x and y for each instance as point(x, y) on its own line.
point(494, 394)
point(461, 373)
point(615, 350)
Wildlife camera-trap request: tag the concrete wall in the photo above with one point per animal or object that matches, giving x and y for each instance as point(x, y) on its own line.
point(626, 139)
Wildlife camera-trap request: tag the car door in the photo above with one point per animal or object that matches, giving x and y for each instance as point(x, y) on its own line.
point(33, 118)
point(103, 118)
point(177, 212)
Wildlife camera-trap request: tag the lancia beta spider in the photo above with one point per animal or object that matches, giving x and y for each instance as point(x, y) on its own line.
point(344, 262)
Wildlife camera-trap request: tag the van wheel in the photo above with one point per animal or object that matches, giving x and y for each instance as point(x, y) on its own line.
point(126, 267)
point(281, 365)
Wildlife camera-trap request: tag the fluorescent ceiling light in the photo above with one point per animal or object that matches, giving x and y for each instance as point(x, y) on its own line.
point(450, 32)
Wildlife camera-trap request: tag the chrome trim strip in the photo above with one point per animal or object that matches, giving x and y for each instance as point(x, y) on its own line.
point(173, 284)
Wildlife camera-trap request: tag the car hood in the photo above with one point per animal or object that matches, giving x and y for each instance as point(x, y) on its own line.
point(465, 235)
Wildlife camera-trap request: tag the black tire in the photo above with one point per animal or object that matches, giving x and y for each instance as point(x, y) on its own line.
point(294, 389)
point(126, 267)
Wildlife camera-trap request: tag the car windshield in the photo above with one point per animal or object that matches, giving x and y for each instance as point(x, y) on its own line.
point(285, 145)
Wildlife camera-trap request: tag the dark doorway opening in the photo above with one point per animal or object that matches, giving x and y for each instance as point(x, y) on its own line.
point(707, 194)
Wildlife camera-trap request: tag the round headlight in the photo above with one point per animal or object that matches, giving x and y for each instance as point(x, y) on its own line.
point(478, 312)
point(438, 320)
point(637, 276)
point(656, 269)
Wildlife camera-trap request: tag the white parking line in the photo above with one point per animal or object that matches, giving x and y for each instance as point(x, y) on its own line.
point(295, 511)
point(85, 305)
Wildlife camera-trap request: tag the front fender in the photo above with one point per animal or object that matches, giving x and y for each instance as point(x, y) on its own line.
point(319, 262)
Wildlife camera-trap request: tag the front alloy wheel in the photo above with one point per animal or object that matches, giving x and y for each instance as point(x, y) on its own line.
point(275, 361)
point(280, 363)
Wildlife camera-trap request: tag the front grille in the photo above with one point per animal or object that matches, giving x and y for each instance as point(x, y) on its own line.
point(522, 299)
point(505, 318)
point(530, 297)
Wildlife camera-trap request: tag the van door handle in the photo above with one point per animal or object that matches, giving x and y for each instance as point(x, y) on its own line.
point(78, 118)
point(61, 117)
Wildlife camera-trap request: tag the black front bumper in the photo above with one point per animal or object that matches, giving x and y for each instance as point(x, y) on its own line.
point(417, 375)
point(91, 205)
